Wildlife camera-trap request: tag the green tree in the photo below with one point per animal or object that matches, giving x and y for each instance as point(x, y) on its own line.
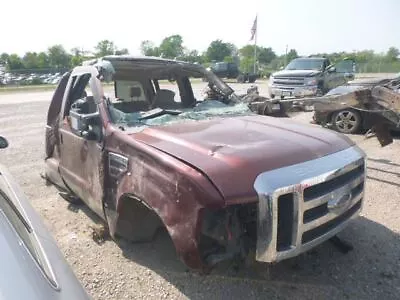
point(218, 50)
point(14, 62)
point(58, 57)
point(43, 60)
point(229, 59)
point(247, 51)
point(392, 54)
point(148, 48)
point(4, 58)
point(104, 48)
point(122, 51)
point(192, 56)
point(171, 46)
point(31, 60)
point(264, 55)
point(77, 57)
point(277, 63)
point(365, 56)
point(247, 64)
point(292, 54)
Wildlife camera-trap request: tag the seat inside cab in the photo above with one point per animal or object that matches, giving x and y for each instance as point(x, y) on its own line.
point(133, 100)
point(143, 95)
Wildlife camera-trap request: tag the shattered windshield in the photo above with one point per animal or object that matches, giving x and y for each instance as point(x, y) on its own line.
point(168, 94)
point(203, 110)
point(305, 64)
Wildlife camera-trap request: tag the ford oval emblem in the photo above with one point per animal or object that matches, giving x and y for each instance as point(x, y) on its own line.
point(340, 203)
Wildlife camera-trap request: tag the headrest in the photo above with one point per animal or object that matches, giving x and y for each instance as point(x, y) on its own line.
point(135, 91)
point(164, 98)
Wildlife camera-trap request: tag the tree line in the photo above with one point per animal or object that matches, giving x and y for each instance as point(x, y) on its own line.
point(57, 57)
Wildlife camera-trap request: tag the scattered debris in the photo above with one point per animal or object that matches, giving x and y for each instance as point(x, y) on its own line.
point(99, 233)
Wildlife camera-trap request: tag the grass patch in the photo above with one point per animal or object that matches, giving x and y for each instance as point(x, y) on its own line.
point(27, 88)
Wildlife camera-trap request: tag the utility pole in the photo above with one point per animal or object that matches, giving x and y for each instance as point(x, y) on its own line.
point(254, 36)
point(255, 50)
point(286, 52)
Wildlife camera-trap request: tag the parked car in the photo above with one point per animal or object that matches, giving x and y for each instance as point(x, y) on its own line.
point(350, 119)
point(231, 71)
point(310, 76)
point(222, 180)
point(32, 267)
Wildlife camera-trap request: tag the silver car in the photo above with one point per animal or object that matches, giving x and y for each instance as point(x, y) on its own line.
point(32, 266)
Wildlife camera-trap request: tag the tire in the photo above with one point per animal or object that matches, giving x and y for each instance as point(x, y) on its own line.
point(347, 121)
point(252, 79)
point(241, 79)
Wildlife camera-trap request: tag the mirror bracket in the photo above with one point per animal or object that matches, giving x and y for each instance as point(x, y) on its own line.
point(89, 135)
point(81, 122)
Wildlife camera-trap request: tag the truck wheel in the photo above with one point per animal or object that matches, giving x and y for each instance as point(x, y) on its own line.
point(347, 121)
point(240, 79)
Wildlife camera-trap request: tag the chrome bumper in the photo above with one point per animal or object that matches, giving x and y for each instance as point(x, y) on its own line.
point(301, 206)
point(293, 91)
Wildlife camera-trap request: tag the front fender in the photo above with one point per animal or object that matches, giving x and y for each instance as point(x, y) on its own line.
point(176, 192)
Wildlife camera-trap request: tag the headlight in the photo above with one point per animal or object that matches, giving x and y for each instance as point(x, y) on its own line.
point(310, 81)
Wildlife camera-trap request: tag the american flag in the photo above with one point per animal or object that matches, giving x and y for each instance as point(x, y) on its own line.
point(254, 29)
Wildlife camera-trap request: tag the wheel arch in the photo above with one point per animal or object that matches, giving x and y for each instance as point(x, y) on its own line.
point(136, 220)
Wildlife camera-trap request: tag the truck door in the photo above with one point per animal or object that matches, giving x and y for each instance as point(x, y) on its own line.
point(81, 144)
point(345, 70)
point(342, 72)
point(329, 76)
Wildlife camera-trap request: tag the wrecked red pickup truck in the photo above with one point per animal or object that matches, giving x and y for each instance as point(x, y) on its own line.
point(222, 180)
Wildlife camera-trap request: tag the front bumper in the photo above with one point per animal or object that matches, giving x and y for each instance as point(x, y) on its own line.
point(292, 91)
point(303, 205)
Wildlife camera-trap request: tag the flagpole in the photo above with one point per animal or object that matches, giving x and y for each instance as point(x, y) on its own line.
point(255, 45)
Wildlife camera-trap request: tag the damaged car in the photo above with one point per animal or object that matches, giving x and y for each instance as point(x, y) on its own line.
point(133, 139)
point(351, 119)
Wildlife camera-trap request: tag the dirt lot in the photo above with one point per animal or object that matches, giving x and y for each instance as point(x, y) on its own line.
point(152, 271)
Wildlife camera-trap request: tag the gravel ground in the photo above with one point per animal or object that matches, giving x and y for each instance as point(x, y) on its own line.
point(152, 271)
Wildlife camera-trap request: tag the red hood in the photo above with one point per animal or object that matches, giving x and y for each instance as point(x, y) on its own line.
point(232, 152)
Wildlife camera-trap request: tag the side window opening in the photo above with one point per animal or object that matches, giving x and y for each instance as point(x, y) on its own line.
point(177, 93)
point(79, 91)
point(81, 109)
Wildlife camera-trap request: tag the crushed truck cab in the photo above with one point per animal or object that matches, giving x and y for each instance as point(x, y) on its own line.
point(129, 138)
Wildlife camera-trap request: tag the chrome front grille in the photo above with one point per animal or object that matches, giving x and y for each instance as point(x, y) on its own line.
point(290, 81)
point(303, 205)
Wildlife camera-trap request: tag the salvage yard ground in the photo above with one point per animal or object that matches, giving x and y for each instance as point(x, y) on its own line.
point(152, 271)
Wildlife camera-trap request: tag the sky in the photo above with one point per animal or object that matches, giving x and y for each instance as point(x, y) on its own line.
point(309, 26)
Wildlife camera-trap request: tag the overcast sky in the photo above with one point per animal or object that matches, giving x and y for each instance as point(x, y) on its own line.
point(309, 26)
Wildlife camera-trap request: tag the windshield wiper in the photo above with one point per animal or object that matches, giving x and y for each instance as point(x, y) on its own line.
point(156, 112)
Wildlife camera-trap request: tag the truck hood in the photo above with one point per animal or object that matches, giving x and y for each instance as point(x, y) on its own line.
point(232, 152)
point(296, 73)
